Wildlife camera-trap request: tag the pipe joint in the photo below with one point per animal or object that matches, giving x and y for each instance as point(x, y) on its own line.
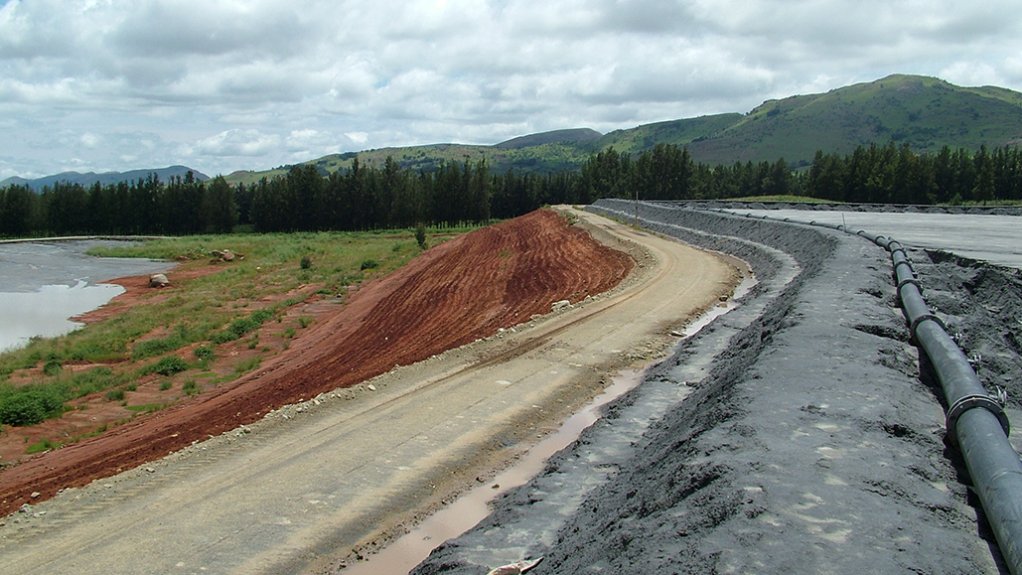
point(912, 281)
point(925, 317)
point(967, 402)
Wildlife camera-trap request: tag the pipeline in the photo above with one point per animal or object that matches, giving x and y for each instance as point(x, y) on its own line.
point(975, 421)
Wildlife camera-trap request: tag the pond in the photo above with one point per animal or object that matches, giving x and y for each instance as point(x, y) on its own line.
point(45, 284)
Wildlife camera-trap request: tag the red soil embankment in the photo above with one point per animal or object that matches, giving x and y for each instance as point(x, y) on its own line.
point(450, 295)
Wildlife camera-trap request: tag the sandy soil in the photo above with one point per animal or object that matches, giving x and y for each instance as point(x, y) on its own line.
point(325, 479)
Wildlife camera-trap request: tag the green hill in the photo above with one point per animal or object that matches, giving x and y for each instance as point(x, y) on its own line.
point(926, 113)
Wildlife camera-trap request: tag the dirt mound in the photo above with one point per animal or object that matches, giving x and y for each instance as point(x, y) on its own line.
point(455, 293)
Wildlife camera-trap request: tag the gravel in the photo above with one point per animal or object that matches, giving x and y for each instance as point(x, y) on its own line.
point(810, 444)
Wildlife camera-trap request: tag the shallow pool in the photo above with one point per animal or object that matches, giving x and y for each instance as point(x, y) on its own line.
point(44, 285)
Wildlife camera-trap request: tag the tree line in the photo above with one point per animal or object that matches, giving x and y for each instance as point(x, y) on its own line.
point(147, 206)
point(454, 193)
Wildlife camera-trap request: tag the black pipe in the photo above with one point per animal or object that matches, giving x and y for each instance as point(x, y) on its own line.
point(975, 421)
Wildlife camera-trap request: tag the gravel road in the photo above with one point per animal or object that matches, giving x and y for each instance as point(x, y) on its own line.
point(809, 444)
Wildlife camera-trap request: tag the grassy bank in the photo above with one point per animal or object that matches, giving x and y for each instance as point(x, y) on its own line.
point(172, 341)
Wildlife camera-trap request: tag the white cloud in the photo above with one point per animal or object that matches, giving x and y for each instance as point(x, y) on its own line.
point(89, 140)
point(357, 137)
point(226, 84)
point(244, 143)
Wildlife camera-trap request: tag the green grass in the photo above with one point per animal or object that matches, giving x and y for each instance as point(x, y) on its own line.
point(41, 446)
point(208, 311)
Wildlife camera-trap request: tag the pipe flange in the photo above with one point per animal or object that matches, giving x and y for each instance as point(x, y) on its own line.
point(912, 281)
point(967, 402)
point(904, 263)
point(925, 317)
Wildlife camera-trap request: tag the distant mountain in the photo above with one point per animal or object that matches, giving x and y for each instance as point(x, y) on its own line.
point(104, 178)
point(925, 113)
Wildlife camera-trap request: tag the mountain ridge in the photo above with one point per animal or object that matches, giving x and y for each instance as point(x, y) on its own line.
point(104, 178)
point(924, 112)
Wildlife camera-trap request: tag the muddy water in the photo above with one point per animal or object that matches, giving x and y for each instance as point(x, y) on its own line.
point(406, 552)
point(43, 285)
point(46, 312)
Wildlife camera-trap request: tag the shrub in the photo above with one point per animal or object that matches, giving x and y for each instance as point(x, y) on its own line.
point(369, 264)
point(30, 405)
point(167, 366)
point(420, 236)
point(204, 353)
point(115, 395)
point(306, 263)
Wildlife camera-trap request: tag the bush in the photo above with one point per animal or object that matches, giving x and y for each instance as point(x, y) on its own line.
point(306, 263)
point(420, 236)
point(167, 366)
point(204, 353)
point(30, 405)
point(369, 264)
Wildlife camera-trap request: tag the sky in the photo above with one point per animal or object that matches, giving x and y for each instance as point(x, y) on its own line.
point(222, 85)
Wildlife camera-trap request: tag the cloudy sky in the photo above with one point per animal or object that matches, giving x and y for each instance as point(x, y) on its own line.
point(220, 85)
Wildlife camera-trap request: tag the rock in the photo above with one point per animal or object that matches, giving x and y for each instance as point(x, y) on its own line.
point(35, 495)
point(515, 568)
point(225, 255)
point(158, 281)
point(559, 305)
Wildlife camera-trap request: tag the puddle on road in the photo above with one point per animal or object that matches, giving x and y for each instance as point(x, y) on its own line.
point(402, 555)
point(469, 509)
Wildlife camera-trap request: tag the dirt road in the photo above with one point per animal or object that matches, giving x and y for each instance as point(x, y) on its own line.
point(310, 485)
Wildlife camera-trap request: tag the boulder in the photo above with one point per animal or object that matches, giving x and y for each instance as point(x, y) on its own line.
point(158, 281)
point(224, 255)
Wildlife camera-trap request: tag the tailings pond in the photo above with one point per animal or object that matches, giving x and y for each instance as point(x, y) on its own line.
point(993, 238)
point(43, 285)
